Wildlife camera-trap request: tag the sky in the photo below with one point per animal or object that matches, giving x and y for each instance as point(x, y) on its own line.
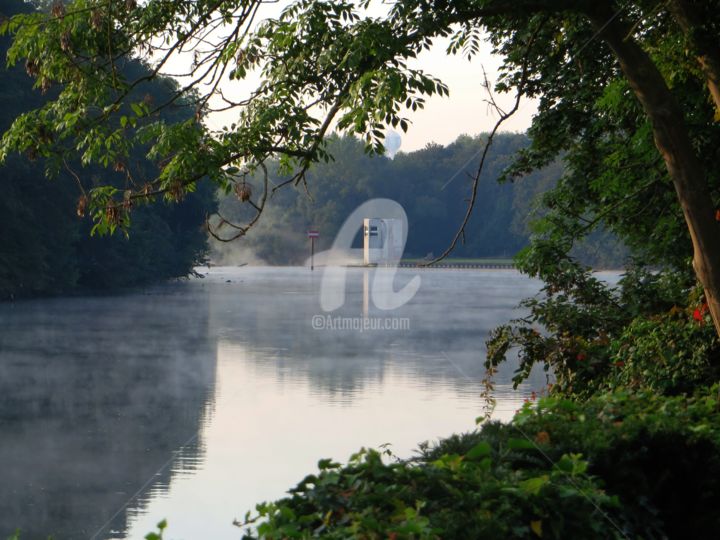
point(444, 118)
point(465, 110)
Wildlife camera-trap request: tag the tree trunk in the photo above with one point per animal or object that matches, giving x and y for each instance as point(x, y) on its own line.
point(689, 17)
point(673, 141)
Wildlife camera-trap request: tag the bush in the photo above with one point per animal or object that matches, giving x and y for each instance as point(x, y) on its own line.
point(616, 466)
point(651, 332)
point(671, 353)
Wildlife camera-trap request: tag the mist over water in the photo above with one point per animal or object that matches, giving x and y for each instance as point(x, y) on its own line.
point(95, 394)
point(195, 400)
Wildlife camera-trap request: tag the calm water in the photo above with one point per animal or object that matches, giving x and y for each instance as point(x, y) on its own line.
point(195, 400)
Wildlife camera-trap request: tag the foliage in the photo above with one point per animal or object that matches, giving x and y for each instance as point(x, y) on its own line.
point(646, 448)
point(672, 352)
point(643, 332)
point(611, 467)
point(614, 179)
point(614, 176)
point(159, 534)
point(46, 248)
point(314, 52)
point(322, 61)
point(430, 184)
point(475, 495)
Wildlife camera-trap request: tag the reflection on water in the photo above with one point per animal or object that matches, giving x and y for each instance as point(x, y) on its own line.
point(95, 394)
point(193, 401)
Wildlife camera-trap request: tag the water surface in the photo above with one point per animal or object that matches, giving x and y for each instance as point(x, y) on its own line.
point(195, 400)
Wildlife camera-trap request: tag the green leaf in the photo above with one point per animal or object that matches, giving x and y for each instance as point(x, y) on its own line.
point(534, 485)
point(482, 449)
point(520, 444)
point(327, 464)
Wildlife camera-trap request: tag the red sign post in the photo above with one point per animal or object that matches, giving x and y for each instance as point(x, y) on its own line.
point(312, 235)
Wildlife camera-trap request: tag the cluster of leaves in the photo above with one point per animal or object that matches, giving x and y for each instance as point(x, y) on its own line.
point(647, 448)
point(611, 467)
point(159, 534)
point(477, 494)
point(644, 332)
point(669, 352)
point(587, 115)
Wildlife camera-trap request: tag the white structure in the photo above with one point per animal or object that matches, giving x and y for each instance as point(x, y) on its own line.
point(383, 240)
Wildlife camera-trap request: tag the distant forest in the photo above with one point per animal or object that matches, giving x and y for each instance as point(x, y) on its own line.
point(431, 184)
point(45, 248)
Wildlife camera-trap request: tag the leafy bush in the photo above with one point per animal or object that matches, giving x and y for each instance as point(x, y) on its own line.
point(45, 246)
point(650, 331)
point(673, 352)
point(455, 496)
point(620, 465)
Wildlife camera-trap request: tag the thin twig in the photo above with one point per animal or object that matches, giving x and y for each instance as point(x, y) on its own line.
point(460, 234)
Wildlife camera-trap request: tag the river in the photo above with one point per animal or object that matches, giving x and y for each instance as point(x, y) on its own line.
point(194, 400)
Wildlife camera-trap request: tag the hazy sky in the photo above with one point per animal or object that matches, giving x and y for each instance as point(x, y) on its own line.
point(444, 118)
point(465, 111)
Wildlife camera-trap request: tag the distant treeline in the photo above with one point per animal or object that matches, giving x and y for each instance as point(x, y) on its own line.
point(433, 186)
point(45, 248)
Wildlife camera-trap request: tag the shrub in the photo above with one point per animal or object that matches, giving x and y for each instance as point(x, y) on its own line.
point(671, 353)
point(650, 332)
point(616, 466)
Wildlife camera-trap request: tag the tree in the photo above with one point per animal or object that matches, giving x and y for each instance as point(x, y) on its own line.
point(326, 64)
point(46, 248)
point(675, 145)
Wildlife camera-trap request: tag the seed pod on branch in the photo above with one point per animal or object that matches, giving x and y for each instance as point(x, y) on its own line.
point(176, 192)
point(32, 67)
point(82, 206)
point(127, 200)
point(65, 42)
point(112, 215)
point(243, 191)
point(58, 9)
point(96, 19)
